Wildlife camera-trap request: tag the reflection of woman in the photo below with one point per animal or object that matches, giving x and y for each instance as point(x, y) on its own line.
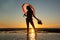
point(29, 19)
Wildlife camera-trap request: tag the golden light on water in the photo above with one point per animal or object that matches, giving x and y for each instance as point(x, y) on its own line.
point(32, 34)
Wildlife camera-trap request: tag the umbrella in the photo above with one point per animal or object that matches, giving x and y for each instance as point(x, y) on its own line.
point(24, 7)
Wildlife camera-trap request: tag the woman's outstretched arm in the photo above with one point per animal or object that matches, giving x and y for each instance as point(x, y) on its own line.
point(35, 17)
point(39, 21)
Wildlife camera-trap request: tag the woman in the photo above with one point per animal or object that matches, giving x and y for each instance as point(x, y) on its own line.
point(29, 18)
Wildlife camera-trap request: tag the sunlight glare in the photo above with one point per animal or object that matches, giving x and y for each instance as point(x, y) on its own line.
point(32, 34)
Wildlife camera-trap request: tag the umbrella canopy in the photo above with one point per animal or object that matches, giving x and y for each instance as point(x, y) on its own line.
point(24, 7)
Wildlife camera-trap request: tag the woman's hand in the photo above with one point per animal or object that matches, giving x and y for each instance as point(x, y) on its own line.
point(39, 21)
point(24, 15)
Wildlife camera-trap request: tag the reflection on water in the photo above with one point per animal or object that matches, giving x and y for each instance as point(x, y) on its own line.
point(32, 34)
point(21, 35)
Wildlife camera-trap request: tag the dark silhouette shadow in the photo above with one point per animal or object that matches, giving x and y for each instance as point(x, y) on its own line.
point(29, 19)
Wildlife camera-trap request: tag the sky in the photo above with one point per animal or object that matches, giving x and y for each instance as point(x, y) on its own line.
point(11, 14)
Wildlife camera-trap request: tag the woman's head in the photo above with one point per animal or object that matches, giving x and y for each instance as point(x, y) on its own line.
point(28, 8)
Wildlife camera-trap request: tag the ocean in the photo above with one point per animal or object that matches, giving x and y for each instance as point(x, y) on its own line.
point(22, 35)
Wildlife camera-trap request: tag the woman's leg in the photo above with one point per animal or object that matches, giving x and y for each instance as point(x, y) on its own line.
point(32, 24)
point(27, 22)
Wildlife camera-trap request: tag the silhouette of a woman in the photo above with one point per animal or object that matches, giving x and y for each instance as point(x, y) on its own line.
point(29, 17)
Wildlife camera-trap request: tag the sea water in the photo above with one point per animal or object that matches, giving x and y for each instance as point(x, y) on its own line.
point(22, 35)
